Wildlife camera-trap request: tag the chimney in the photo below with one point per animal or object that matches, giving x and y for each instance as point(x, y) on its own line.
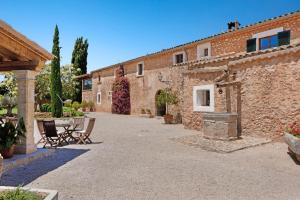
point(233, 25)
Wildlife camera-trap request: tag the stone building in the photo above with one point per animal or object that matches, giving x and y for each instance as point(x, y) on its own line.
point(264, 57)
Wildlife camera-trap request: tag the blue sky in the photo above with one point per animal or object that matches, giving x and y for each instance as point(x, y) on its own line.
point(121, 30)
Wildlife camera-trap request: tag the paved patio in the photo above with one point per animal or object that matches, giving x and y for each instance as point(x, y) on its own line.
point(134, 158)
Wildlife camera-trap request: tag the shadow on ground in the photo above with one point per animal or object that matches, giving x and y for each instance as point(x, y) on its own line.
point(26, 174)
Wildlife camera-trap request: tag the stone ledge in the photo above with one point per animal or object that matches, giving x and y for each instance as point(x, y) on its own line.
point(24, 159)
point(221, 146)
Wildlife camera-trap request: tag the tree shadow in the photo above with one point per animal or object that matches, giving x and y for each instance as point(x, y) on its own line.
point(24, 175)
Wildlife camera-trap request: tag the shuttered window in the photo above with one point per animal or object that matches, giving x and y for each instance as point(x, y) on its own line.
point(251, 45)
point(284, 38)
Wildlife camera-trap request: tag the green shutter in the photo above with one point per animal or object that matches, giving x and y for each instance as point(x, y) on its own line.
point(251, 45)
point(284, 38)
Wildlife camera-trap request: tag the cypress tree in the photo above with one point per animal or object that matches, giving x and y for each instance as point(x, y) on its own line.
point(56, 86)
point(79, 60)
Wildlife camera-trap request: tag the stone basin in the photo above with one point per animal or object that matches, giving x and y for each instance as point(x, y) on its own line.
point(220, 126)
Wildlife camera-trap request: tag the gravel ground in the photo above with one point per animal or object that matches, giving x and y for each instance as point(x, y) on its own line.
point(134, 158)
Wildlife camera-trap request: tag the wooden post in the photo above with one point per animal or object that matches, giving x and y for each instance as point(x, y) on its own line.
point(228, 98)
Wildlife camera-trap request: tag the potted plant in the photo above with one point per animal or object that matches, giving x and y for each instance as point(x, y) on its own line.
point(91, 106)
point(10, 135)
point(292, 138)
point(84, 105)
point(167, 97)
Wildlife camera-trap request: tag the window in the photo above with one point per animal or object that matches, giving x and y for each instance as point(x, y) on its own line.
point(204, 51)
point(110, 96)
point(140, 69)
point(99, 98)
point(203, 98)
point(268, 42)
point(99, 79)
point(269, 39)
point(179, 57)
point(87, 84)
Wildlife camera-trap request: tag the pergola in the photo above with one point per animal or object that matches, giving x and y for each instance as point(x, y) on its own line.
point(23, 57)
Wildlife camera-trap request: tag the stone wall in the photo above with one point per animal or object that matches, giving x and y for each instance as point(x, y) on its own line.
point(270, 95)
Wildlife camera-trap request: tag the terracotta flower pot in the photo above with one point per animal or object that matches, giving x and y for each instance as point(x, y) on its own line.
point(8, 152)
point(168, 119)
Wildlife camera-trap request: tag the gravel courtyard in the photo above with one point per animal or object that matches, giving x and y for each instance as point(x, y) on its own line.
point(134, 158)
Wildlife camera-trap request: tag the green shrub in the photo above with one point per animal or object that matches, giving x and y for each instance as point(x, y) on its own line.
point(19, 194)
point(68, 104)
point(45, 107)
point(76, 105)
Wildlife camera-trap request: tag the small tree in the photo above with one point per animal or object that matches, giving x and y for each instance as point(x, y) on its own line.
point(69, 83)
point(42, 86)
point(167, 97)
point(121, 93)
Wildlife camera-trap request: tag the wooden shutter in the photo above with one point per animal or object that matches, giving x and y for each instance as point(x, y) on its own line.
point(251, 45)
point(284, 38)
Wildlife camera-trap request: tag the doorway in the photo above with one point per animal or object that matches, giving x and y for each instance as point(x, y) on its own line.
point(160, 109)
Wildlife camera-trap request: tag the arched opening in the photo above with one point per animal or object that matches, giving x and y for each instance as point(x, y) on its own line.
point(160, 109)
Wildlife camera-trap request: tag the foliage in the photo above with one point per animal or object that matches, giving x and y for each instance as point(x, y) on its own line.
point(19, 194)
point(8, 102)
point(294, 129)
point(10, 134)
point(42, 86)
point(68, 104)
point(8, 86)
point(3, 111)
point(76, 105)
point(69, 83)
point(80, 54)
point(79, 60)
point(45, 107)
point(70, 112)
point(121, 93)
point(56, 86)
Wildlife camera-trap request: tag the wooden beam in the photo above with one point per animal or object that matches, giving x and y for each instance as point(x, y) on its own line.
point(18, 65)
point(233, 83)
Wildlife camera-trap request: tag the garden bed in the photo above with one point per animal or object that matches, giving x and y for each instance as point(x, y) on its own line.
point(27, 193)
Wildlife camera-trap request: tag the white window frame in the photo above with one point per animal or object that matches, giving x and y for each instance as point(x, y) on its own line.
point(99, 99)
point(211, 107)
point(264, 34)
point(137, 69)
point(177, 53)
point(200, 50)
